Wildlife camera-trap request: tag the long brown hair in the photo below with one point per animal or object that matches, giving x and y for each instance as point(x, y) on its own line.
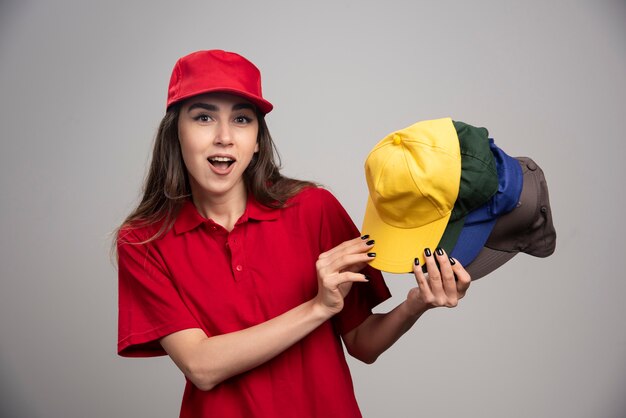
point(166, 187)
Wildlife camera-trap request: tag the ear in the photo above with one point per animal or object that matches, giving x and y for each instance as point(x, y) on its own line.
point(256, 147)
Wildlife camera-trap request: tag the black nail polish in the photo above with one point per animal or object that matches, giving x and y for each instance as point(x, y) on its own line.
point(416, 261)
point(427, 252)
point(370, 242)
point(439, 251)
point(364, 237)
point(452, 261)
point(371, 255)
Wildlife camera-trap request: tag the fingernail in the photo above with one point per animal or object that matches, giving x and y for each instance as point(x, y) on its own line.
point(371, 254)
point(417, 261)
point(364, 237)
point(370, 242)
point(439, 251)
point(452, 261)
point(427, 252)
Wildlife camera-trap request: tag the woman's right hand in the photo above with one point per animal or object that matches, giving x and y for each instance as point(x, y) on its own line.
point(338, 268)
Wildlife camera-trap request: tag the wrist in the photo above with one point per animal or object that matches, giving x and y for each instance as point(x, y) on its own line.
point(320, 311)
point(413, 310)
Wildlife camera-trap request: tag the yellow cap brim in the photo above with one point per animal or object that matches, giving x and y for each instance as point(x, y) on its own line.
point(396, 248)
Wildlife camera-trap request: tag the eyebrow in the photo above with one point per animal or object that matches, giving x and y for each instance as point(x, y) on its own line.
point(214, 108)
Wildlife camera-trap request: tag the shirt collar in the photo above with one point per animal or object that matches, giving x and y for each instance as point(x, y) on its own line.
point(189, 218)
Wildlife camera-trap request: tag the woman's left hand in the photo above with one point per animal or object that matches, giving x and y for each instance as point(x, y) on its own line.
point(445, 285)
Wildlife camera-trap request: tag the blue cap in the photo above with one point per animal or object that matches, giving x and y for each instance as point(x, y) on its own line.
point(480, 222)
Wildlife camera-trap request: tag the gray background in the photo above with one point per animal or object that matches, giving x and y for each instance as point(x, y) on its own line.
point(82, 89)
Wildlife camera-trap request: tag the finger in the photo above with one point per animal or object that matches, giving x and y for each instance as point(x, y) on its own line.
point(422, 283)
point(351, 262)
point(342, 262)
point(463, 278)
point(357, 244)
point(434, 277)
point(447, 276)
point(346, 277)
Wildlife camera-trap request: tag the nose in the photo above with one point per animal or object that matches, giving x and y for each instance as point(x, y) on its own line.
point(223, 134)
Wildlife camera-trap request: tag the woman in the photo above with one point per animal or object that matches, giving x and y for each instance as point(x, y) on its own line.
point(249, 280)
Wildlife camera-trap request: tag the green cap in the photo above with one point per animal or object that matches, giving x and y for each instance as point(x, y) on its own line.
point(479, 179)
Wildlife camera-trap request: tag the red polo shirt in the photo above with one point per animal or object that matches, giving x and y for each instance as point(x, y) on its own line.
point(201, 276)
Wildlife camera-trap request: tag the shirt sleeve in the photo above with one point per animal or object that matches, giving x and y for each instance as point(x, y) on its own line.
point(150, 306)
point(337, 227)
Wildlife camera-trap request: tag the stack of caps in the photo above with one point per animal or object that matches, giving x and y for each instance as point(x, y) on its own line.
point(442, 183)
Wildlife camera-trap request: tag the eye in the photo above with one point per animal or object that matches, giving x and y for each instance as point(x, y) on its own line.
point(202, 117)
point(243, 120)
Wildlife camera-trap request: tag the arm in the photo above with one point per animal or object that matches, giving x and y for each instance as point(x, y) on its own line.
point(207, 361)
point(380, 331)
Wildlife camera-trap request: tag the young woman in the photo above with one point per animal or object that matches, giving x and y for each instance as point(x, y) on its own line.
point(248, 280)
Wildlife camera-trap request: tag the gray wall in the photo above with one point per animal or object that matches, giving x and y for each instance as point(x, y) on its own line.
point(82, 88)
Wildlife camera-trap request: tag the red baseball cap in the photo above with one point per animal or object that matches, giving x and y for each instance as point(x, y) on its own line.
point(216, 70)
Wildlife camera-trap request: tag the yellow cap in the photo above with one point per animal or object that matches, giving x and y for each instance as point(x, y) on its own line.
point(413, 176)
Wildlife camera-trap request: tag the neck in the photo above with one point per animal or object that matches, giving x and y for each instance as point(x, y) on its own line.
point(224, 210)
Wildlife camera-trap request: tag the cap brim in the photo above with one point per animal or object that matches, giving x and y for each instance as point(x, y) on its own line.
point(471, 240)
point(263, 105)
point(397, 248)
point(487, 261)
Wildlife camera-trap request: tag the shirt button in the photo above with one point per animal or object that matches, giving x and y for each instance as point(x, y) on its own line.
point(239, 267)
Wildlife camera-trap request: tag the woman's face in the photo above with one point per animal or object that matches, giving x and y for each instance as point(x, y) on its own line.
point(218, 138)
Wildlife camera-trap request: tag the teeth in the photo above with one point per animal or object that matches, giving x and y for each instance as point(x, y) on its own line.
point(221, 159)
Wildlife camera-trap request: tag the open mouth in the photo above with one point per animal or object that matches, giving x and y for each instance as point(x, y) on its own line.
point(221, 163)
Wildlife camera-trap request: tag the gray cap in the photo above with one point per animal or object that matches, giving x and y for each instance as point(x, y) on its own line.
point(528, 228)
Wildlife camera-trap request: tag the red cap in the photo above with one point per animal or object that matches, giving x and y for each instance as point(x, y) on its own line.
point(216, 70)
